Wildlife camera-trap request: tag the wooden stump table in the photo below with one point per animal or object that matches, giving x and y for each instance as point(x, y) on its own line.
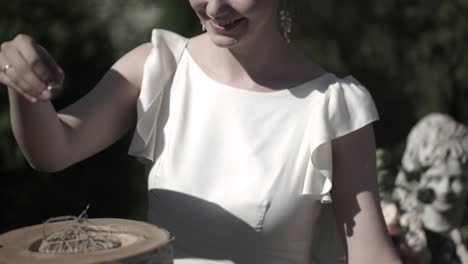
point(133, 242)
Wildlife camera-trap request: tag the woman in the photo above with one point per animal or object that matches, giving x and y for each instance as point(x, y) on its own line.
point(239, 128)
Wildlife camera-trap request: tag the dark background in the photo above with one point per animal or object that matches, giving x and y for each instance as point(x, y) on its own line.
point(410, 54)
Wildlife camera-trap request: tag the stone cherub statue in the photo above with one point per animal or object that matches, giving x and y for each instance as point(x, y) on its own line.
point(433, 181)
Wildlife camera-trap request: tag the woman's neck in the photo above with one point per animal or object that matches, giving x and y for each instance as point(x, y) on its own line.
point(256, 53)
point(265, 61)
point(252, 55)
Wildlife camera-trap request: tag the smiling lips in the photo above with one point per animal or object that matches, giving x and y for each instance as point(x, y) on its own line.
point(226, 25)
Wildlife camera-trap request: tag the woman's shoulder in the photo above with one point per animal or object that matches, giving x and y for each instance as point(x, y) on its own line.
point(169, 39)
point(160, 41)
point(348, 89)
point(162, 44)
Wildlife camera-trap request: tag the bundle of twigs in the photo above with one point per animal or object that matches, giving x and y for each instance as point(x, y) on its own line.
point(80, 236)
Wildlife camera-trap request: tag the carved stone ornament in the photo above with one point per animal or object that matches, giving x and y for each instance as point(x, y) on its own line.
point(433, 179)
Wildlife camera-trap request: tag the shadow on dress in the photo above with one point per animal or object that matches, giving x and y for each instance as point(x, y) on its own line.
point(203, 229)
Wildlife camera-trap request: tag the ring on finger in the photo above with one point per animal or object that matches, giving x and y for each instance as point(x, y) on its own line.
point(5, 68)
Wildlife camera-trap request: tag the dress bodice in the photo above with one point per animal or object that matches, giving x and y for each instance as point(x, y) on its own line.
point(241, 176)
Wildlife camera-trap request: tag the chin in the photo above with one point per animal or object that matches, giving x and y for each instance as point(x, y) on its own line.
point(229, 37)
point(224, 41)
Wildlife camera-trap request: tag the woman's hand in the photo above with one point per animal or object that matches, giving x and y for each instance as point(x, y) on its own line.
point(27, 68)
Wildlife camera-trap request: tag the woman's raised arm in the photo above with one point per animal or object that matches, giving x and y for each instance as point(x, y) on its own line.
point(52, 141)
point(356, 201)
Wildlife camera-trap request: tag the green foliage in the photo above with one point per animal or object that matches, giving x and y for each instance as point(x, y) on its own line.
point(386, 173)
point(384, 158)
point(410, 54)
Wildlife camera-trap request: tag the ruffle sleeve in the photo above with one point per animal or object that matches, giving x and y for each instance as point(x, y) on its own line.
point(347, 106)
point(158, 72)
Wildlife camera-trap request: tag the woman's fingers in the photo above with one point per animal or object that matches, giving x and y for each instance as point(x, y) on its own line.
point(19, 72)
point(29, 75)
point(4, 79)
point(41, 62)
point(48, 70)
point(9, 74)
point(28, 49)
point(31, 69)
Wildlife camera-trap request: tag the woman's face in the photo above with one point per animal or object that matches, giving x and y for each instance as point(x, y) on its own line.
point(231, 21)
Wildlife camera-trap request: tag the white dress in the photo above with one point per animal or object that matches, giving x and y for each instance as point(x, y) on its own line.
point(240, 176)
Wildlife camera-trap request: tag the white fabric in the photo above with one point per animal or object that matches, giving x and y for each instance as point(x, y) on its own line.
point(241, 176)
point(158, 72)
